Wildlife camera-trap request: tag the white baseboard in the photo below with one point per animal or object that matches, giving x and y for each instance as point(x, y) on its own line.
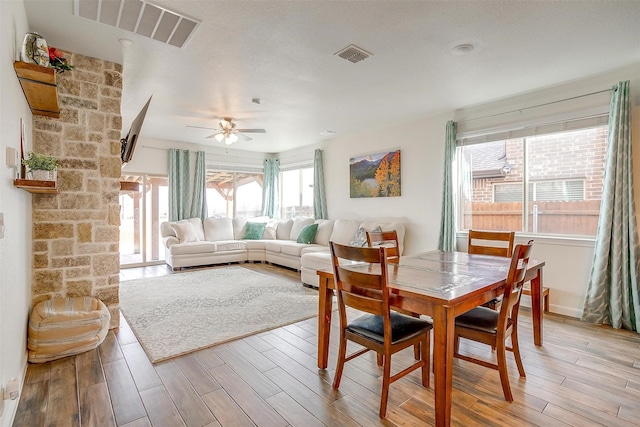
point(558, 309)
point(565, 311)
point(11, 406)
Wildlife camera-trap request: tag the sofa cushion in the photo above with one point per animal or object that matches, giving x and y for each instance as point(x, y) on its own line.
point(283, 230)
point(325, 227)
point(230, 245)
point(316, 260)
point(343, 231)
point(298, 225)
point(255, 244)
point(238, 227)
point(185, 232)
point(167, 227)
point(292, 248)
point(193, 248)
point(307, 234)
point(315, 248)
point(254, 230)
point(275, 246)
point(218, 229)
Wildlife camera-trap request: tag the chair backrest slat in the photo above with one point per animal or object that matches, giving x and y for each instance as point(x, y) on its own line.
point(388, 239)
point(362, 290)
point(496, 243)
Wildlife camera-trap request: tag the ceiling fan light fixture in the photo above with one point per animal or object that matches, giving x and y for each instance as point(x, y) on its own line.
point(219, 137)
point(231, 139)
point(226, 123)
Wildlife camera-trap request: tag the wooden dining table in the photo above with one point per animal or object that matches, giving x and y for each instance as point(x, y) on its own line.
point(442, 285)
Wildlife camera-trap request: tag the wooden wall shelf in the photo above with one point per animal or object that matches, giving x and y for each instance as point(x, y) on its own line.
point(35, 186)
point(39, 87)
point(129, 186)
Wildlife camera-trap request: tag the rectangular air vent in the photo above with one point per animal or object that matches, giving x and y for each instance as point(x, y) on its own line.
point(353, 53)
point(140, 17)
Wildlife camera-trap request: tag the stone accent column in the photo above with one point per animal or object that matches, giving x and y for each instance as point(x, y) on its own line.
point(76, 233)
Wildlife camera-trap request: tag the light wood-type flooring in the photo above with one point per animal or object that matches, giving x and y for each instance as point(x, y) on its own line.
point(583, 375)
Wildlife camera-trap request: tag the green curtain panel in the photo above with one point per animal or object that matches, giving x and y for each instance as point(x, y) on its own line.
point(179, 184)
point(270, 187)
point(612, 295)
point(199, 200)
point(319, 197)
point(447, 241)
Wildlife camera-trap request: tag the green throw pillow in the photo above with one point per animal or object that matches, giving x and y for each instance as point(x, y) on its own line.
point(254, 230)
point(308, 233)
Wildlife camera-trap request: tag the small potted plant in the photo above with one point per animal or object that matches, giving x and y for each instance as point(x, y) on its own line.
point(41, 166)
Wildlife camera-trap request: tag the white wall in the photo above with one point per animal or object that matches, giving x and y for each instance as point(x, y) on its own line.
point(15, 204)
point(421, 150)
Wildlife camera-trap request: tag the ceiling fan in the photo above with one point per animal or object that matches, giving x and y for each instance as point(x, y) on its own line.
point(228, 133)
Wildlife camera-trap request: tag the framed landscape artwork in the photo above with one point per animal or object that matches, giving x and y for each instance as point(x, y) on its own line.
point(375, 175)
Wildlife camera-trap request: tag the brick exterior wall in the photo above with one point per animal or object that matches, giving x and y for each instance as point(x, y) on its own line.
point(76, 232)
point(578, 154)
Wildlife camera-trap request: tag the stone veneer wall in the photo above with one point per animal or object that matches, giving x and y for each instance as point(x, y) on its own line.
point(76, 232)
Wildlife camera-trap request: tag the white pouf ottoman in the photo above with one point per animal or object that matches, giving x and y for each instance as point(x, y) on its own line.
point(61, 327)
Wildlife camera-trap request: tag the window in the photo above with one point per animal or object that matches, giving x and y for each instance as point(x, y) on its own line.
point(296, 193)
point(141, 213)
point(234, 194)
point(546, 184)
point(562, 190)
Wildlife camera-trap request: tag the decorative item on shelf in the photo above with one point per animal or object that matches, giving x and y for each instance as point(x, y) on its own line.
point(35, 50)
point(41, 167)
point(58, 62)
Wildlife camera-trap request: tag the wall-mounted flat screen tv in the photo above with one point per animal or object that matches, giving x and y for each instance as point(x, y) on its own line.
point(128, 143)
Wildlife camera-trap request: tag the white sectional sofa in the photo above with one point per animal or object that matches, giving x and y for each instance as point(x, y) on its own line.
point(192, 242)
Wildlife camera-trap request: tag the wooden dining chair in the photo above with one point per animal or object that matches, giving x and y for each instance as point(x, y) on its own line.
point(496, 243)
point(381, 330)
point(491, 327)
point(388, 239)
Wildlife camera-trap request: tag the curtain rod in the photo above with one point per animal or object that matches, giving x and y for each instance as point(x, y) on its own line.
point(520, 110)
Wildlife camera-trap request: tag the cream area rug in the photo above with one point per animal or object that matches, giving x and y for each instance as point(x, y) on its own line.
point(183, 312)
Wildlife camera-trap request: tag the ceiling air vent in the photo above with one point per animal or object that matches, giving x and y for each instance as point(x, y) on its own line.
point(139, 17)
point(353, 53)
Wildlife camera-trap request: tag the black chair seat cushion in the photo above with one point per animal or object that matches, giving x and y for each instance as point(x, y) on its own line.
point(480, 318)
point(402, 327)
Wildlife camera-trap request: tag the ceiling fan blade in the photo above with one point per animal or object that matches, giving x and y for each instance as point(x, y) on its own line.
point(201, 127)
point(252, 130)
point(244, 137)
point(214, 134)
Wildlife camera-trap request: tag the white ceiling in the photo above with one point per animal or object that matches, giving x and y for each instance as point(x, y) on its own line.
point(283, 52)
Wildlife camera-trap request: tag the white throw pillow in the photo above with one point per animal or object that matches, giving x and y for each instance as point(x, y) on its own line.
point(270, 230)
point(185, 232)
point(283, 231)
